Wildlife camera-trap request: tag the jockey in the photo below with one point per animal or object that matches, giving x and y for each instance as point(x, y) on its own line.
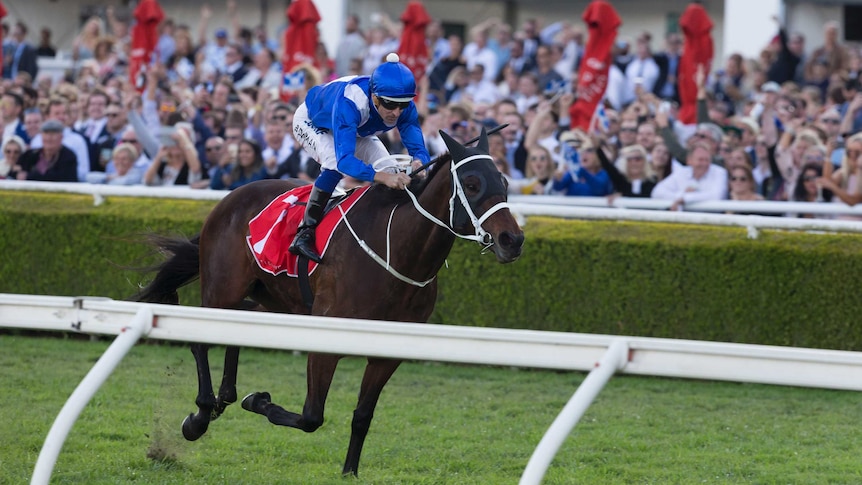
point(338, 126)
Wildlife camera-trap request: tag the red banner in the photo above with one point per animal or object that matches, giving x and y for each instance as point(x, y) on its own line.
point(698, 50)
point(602, 22)
point(148, 14)
point(413, 51)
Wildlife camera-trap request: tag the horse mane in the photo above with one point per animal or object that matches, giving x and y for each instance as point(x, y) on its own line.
point(436, 166)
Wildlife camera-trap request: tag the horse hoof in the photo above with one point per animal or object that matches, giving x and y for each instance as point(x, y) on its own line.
point(254, 401)
point(190, 432)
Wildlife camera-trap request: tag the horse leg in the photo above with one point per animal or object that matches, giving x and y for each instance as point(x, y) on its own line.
point(377, 374)
point(321, 368)
point(227, 390)
point(195, 425)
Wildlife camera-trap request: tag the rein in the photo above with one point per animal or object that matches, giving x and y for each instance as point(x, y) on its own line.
point(480, 235)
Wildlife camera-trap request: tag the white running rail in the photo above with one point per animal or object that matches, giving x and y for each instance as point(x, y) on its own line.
point(486, 346)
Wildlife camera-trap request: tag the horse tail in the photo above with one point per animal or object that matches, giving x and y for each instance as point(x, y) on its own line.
point(179, 270)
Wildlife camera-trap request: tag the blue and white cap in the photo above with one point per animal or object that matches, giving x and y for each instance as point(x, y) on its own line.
point(393, 81)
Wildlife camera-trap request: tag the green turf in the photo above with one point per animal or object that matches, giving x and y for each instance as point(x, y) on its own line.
point(436, 424)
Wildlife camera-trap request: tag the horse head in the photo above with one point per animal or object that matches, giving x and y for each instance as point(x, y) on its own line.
point(477, 207)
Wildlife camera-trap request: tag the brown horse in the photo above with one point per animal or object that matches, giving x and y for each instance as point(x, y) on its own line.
point(465, 197)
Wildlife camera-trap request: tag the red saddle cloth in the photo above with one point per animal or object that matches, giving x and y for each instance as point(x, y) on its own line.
point(273, 229)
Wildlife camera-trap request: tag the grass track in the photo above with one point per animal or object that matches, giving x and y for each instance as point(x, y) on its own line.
point(436, 424)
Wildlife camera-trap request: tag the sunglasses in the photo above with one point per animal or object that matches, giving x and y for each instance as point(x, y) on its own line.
point(629, 130)
point(112, 115)
point(831, 121)
point(214, 148)
point(128, 140)
point(167, 108)
point(810, 178)
point(393, 105)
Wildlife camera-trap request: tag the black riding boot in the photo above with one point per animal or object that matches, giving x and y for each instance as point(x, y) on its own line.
point(303, 243)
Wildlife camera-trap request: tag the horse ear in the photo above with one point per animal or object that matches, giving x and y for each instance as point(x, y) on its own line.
point(483, 141)
point(455, 149)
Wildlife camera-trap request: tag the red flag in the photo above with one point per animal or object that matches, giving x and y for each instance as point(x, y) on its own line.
point(145, 36)
point(413, 50)
point(300, 38)
point(602, 22)
point(2, 14)
point(697, 50)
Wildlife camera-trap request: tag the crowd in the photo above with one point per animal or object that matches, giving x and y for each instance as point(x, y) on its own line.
point(209, 113)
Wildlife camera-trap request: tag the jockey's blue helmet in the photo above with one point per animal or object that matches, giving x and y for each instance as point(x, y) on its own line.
point(393, 81)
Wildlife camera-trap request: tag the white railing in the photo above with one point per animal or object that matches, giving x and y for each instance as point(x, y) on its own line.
point(596, 208)
point(601, 355)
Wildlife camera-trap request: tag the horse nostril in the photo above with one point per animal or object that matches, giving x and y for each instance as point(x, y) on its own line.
point(511, 241)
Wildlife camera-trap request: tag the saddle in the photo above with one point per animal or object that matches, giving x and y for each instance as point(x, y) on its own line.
point(272, 230)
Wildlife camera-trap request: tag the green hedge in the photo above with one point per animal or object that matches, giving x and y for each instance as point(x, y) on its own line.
point(660, 280)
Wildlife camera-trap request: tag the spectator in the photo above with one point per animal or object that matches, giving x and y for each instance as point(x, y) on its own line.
point(478, 52)
point(32, 122)
point(741, 183)
point(265, 72)
point(182, 63)
point(12, 148)
point(438, 45)
point(788, 56)
point(633, 178)
point(479, 89)
point(831, 56)
point(350, 47)
point(125, 172)
point(807, 189)
point(660, 162)
point(235, 68)
point(540, 172)
point(249, 167)
point(213, 52)
point(548, 80)
point(85, 43)
point(24, 57)
point(668, 68)
point(94, 128)
point(519, 62)
point(58, 110)
point(382, 39)
point(845, 182)
point(175, 164)
point(698, 181)
point(11, 110)
point(167, 44)
point(438, 76)
point(642, 73)
point(51, 162)
point(588, 180)
point(45, 48)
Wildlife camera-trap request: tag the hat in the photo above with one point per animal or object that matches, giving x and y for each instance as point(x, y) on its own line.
point(393, 81)
point(53, 126)
point(770, 87)
point(221, 34)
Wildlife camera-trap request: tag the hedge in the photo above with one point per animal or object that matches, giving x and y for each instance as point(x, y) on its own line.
point(621, 278)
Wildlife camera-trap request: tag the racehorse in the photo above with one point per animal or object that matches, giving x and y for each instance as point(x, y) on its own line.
point(463, 195)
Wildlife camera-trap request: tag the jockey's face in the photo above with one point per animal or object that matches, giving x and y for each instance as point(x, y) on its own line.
point(390, 116)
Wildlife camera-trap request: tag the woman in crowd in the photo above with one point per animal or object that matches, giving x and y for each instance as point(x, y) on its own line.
point(13, 147)
point(124, 157)
point(660, 161)
point(540, 173)
point(845, 182)
point(175, 164)
point(633, 178)
point(741, 183)
point(249, 167)
point(808, 190)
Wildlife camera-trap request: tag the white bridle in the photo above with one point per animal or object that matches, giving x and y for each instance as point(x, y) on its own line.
point(480, 235)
